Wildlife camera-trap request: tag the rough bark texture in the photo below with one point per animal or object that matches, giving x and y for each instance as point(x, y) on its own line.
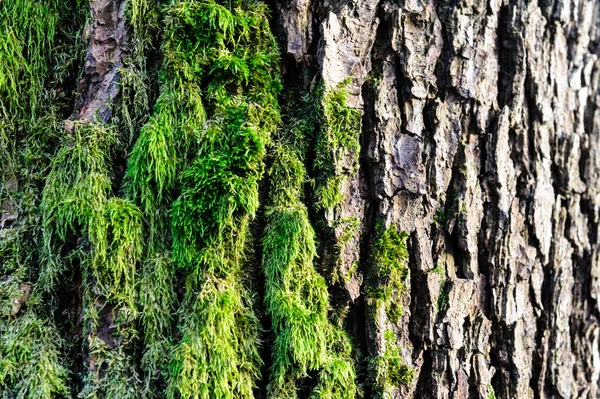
point(107, 46)
point(480, 135)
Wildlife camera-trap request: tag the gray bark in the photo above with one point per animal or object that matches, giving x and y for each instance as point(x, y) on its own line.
point(480, 139)
point(107, 33)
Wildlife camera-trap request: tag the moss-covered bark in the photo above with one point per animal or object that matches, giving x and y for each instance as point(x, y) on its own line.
point(304, 199)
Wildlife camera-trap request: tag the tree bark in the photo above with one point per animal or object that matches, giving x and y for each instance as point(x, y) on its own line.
point(107, 47)
point(480, 135)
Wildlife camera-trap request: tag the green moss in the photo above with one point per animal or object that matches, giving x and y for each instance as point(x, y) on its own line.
point(217, 356)
point(389, 369)
point(74, 196)
point(27, 43)
point(117, 251)
point(441, 303)
point(337, 151)
point(296, 297)
point(386, 282)
point(227, 48)
point(110, 334)
point(110, 301)
point(109, 232)
point(12, 268)
point(31, 363)
point(491, 393)
point(389, 271)
point(161, 149)
point(350, 226)
point(157, 302)
point(374, 79)
point(37, 53)
point(337, 141)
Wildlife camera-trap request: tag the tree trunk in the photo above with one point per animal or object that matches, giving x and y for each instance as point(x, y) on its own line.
point(299, 199)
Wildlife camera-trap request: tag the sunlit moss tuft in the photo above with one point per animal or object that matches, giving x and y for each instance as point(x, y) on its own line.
point(296, 295)
point(389, 271)
point(31, 363)
point(117, 251)
point(386, 285)
point(75, 194)
point(389, 369)
point(227, 48)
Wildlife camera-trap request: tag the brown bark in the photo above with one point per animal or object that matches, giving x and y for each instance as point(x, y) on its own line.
point(107, 45)
point(480, 139)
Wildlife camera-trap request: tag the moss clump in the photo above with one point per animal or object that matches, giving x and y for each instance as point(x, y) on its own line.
point(157, 301)
point(137, 75)
point(27, 38)
point(389, 271)
point(110, 299)
point(386, 283)
point(337, 151)
point(36, 54)
point(118, 250)
point(296, 294)
point(229, 49)
point(74, 196)
point(389, 369)
point(161, 149)
point(31, 362)
point(76, 206)
point(337, 147)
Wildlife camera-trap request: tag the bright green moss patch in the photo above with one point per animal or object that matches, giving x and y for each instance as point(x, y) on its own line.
point(111, 302)
point(217, 356)
point(118, 250)
point(161, 149)
point(151, 280)
point(491, 393)
point(27, 40)
point(441, 303)
point(386, 284)
point(31, 363)
point(157, 302)
point(74, 196)
point(389, 369)
point(296, 296)
point(337, 151)
point(297, 299)
point(76, 206)
point(337, 147)
point(228, 49)
point(389, 271)
point(221, 186)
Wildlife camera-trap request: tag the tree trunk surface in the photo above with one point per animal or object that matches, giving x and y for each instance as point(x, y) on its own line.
point(422, 180)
